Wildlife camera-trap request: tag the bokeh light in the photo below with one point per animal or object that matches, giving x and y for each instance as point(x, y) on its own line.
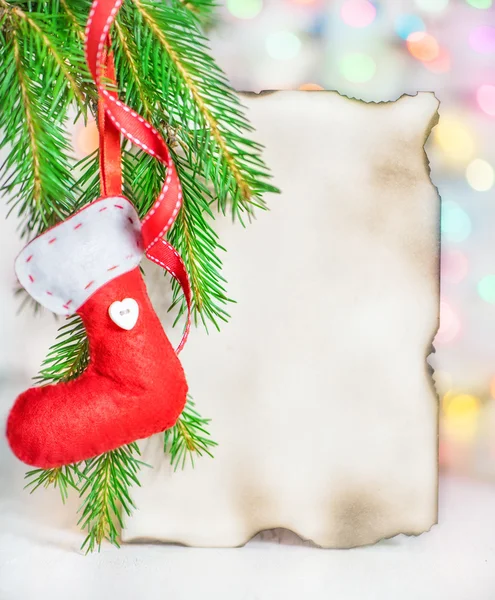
point(423, 46)
point(450, 325)
point(283, 45)
point(486, 289)
point(358, 13)
point(455, 266)
point(454, 405)
point(482, 39)
point(455, 222)
point(482, 4)
point(432, 5)
point(441, 64)
point(486, 99)
point(461, 416)
point(245, 9)
point(492, 387)
point(455, 139)
point(357, 67)
point(480, 175)
point(407, 24)
point(311, 87)
point(86, 139)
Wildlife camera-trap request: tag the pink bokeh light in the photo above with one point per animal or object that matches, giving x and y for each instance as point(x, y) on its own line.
point(358, 13)
point(482, 39)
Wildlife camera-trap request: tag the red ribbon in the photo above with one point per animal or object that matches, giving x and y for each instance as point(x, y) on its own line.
point(117, 118)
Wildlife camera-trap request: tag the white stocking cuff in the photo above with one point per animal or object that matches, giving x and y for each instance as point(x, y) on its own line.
point(65, 265)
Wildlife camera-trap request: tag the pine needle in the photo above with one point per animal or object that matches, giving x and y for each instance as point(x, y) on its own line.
point(107, 480)
point(69, 356)
point(188, 438)
point(37, 86)
point(62, 478)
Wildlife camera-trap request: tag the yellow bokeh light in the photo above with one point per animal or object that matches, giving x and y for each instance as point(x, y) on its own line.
point(460, 405)
point(455, 139)
point(480, 175)
point(461, 413)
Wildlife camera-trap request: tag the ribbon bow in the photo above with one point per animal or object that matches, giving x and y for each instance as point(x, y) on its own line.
point(117, 118)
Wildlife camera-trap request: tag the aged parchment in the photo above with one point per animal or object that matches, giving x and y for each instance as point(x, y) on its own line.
point(319, 388)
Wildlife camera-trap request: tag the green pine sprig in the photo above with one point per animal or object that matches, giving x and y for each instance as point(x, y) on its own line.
point(69, 356)
point(188, 438)
point(198, 103)
point(37, 86)
point(63, 478)
point(166, 73)
point(106, 483)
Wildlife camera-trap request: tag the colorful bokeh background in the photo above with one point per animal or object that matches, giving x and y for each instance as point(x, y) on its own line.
point(377, 50)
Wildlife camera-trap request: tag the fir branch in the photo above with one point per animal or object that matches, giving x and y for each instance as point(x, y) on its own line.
point(88, 178)
point(192, 234)
point(202, 10)
point(108, 479)
point(69, 356)
point(63, 478)
point(201, 106)
point(27, 102)
point(77, 27)
point(188, 437)
point(167, 74)
point(199, 246)
point(36, 174)
point(126, 64)
point(65, 67)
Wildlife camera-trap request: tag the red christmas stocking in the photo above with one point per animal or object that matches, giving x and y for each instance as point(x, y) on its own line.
point(135, 385)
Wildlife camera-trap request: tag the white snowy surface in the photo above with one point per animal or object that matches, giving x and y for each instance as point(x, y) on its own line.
point(40, 558)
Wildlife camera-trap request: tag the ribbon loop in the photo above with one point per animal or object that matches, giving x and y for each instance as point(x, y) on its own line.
point(117, 118)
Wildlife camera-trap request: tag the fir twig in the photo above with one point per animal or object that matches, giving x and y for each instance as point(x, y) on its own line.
point(34, 99)
point(166, 73)
point(76, 26)
point(63, 478)
point(108, 479)
point(202, 10)
point(69, 356)
point(188, 437)
point(65, 67)
point(201, 106)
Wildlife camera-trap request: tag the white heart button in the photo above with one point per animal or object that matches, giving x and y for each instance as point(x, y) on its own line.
point(124, 314)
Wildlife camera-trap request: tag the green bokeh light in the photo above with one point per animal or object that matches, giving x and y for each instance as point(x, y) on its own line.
point(357, 67)
point(283, 45)
point(482, 4)
point(455, 223)
point(486, 289)
point(245, 9)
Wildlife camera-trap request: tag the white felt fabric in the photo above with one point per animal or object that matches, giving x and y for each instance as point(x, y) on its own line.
point(65, 265)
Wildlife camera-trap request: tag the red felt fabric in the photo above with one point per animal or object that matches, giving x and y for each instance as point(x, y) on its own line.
point(133, 387)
